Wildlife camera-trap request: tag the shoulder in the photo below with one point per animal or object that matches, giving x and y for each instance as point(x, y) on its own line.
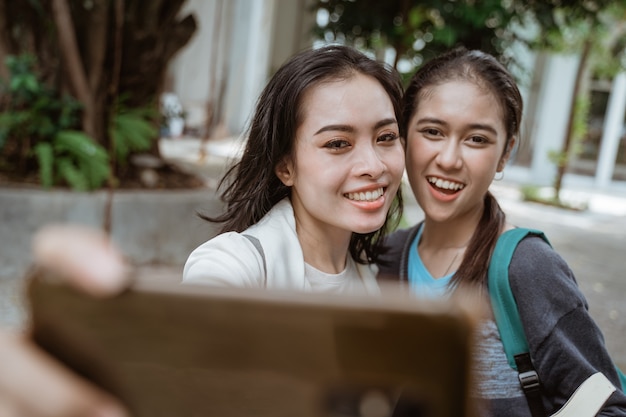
point(395, 245)
point(281, 213)
point(534, 260)
point(537, 269)
point(544, 286)
point(396, 242)
point(229, 259)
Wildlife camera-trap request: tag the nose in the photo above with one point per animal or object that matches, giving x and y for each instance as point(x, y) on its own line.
point(449, 155)
point(369, 162)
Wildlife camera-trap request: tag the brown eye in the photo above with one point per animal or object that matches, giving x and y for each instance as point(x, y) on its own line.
point(388, 137)
point(478, 140)
point(337, 144)
point(430, 132)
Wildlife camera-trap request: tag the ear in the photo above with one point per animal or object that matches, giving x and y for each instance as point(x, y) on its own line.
point(507, 154)
point(285, 171)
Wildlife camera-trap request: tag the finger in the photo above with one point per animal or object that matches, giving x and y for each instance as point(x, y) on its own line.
point(85, 257)
point(7, 406)
point(35, 385)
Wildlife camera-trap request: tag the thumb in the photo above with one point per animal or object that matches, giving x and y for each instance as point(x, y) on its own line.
point(85, 257)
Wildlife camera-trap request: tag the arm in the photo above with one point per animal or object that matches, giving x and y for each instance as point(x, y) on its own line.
point(32, 383)
point(228, 260)
point(566, 345)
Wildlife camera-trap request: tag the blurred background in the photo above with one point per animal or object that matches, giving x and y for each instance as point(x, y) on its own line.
point(122, 114)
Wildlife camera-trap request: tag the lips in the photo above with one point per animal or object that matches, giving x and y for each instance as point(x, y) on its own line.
point(372, 195)
point(445, 186)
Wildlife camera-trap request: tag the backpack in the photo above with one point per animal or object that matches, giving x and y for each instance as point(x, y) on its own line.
point(508, 320)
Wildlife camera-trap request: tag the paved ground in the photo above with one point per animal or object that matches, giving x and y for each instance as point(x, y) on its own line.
point(592, 242)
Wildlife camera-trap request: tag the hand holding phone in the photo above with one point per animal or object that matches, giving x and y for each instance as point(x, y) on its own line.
point(33, 383)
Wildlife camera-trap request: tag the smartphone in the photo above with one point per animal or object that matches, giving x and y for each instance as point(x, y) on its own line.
point(191, 350)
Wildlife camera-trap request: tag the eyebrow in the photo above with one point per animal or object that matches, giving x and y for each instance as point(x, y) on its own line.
point(348, 128)
point(475, 126)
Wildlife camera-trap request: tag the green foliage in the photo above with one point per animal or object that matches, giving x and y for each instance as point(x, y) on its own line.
point(547, 196)
point(29, 109)
point(38, 132)
point(609, 52)
point(566, 25)
point(82, 163)
point(133, 130)
point(558, 158)
point(417, 31)
point(73, 158)
point(581, 115)
point(45, 156)
point(531, 192)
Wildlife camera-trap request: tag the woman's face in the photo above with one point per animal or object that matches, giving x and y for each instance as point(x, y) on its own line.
point(348, 160)
point(455, 143)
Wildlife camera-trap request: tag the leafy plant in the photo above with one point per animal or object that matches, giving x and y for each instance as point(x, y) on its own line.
point(133, 130)
point(72, 157)
point(547, 196)
point(29, 109)
point(39, 132)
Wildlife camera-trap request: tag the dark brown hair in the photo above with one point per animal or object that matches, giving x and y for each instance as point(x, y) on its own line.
point(251, 187)
point(485, 71)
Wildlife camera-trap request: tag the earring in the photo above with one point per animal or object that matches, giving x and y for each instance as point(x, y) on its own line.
point(500, 177)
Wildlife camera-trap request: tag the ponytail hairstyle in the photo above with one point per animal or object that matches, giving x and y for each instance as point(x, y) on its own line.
point(251, 188)
point(486, 72)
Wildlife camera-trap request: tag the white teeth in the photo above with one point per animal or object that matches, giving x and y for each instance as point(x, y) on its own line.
point(445, 184)
point(365, 196)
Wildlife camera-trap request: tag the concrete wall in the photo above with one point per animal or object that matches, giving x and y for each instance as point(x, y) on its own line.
point(150, 227)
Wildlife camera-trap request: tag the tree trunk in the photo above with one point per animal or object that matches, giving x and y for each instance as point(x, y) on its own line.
point(4, 36)
point(567, 144)
point(211, 106)
point(74, 65)
point(96, 46)
point(113, 90)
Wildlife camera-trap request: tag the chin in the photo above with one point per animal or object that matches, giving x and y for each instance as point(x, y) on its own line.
point(365, 229)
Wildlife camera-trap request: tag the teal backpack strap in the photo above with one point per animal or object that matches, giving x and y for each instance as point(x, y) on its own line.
point(507, 316)
point(622, 378)
point(502, 300)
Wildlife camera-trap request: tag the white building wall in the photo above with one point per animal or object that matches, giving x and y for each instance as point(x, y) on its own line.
point(236, 47)
point(613, 128)
point(551, 115)
point(190, 68)
point(250, 57)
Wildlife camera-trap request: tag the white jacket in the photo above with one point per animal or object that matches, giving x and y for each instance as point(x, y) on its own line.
point(231, 259)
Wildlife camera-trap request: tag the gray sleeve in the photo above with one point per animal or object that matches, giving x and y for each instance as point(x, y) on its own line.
point(391, 260)
point(566, 345)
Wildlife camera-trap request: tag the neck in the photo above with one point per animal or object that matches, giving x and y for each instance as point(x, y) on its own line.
point(326, 251)
point(452, 234)
point(442, 246)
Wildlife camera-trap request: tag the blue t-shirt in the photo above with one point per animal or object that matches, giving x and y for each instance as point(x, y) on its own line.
point(421, 281)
